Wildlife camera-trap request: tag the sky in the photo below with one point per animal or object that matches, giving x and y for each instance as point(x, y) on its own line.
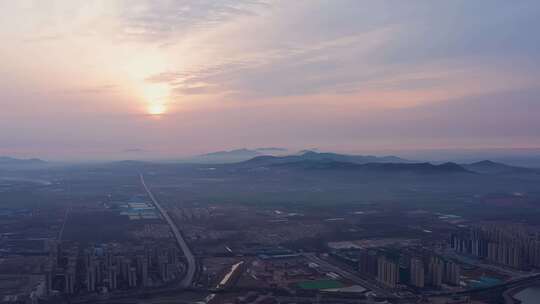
point(119, 79)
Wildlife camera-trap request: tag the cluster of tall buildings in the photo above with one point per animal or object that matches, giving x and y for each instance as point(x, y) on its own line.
point(61, 270)
point(116, 269)
point(391, 268)
point(111, 267)
point(510, 245)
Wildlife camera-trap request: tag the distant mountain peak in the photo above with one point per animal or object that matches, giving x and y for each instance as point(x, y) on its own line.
point(13, 159)
point(241, 150)
point(487, 163)
point(450, 164)
point(225, 156)
point(491, 167)
point(231, 152)
point(308, 151)
point(7, 161)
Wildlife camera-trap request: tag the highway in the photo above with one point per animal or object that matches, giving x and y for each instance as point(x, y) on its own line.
point(61, 233)
point(187, 281)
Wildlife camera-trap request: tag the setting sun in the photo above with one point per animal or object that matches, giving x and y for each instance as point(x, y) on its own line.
point(156, 109)
point(156, 97)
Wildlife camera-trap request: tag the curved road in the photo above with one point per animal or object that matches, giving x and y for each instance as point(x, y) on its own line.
point(191, 264)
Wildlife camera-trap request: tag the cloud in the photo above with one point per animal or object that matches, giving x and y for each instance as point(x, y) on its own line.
point(161, 19)
point(305, 69)
point(97, 89)
point(464, 29)
point(351, 47)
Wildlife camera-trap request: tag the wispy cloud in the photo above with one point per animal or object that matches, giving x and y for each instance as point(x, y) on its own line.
point(347, 65)
point(96, 89)
point(282, 71)
point(161, 19)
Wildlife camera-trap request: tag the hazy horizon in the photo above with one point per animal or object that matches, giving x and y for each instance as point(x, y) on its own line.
point(169, 79)
point(527, 157)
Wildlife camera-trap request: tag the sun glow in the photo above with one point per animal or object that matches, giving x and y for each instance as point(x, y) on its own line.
point(156, 109)
point(157, 96)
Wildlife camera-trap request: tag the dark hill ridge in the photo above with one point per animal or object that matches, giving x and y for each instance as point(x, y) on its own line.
point(237, 152)
point(222, 157)
point(420, 168)
point(352, 158)
point(240, 155)
point(11, 161)
point(487, 163)
point(326, 161)
point(326, 157)
point(491, 167)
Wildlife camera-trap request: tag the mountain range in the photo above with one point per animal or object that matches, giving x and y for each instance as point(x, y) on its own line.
point(257, 159)
point(338, 162)
point(240, 155)
point(329, 157)
point(310, 160)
